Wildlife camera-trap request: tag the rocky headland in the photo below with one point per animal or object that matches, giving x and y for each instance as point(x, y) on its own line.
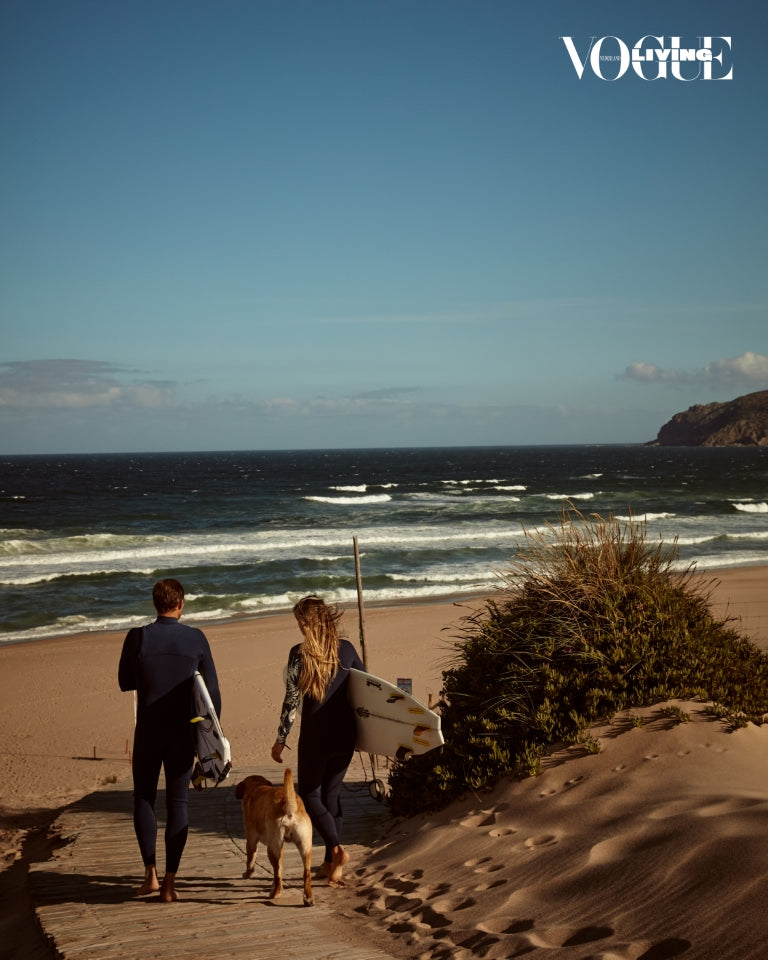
point(742, 422)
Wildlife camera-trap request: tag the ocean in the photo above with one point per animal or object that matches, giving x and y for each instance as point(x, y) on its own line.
point(85, 537)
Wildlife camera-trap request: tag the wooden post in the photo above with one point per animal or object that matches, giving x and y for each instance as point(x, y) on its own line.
point(360, 611)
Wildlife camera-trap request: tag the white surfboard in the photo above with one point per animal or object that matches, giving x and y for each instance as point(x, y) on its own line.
point(390, 722)
point(214, 756)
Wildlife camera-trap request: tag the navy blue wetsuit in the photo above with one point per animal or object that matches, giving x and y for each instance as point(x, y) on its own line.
point(326, 742)
point(159, 662)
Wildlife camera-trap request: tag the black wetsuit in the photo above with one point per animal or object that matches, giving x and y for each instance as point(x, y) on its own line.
point(326, 742)
point(159, 662)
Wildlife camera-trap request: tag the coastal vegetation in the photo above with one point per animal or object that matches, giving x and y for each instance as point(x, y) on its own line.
point(593, 619)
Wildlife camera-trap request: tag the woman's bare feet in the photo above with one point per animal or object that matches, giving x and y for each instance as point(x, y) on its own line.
point(151, 884)
point(167, 891)
point(339, 861)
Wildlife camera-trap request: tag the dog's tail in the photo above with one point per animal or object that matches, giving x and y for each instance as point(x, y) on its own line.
point(290, 793)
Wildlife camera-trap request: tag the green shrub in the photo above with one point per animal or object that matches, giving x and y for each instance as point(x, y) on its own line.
point(592, 620)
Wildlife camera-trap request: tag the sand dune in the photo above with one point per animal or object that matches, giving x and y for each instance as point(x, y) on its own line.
point(654, 848)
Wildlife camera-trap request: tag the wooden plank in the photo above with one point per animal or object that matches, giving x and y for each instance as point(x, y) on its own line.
point(85, 896)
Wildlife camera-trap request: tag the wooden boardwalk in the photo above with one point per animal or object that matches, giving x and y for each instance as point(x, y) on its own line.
point(85, 896)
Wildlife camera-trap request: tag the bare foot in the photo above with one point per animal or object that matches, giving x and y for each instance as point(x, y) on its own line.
point(340, 859)
point(167, 891)
point(324, 871)
point(150, 885)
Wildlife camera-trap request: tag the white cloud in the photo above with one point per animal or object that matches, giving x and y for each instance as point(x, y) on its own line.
point(76, 385)
point(750, 370)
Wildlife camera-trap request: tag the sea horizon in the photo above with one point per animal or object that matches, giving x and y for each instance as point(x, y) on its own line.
point(84, 536)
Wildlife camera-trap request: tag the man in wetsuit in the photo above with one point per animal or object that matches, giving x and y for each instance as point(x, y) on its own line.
point(159, 662)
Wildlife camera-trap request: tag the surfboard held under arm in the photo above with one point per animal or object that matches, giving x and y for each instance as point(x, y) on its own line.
point(389, 721)
point(214, 756)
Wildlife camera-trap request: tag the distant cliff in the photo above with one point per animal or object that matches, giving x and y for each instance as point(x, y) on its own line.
point(742, 422)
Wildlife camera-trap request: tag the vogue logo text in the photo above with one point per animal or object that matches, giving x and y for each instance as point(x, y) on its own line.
point(653, 58)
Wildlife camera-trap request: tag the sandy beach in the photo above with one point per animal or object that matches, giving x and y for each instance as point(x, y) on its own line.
point(655, 846)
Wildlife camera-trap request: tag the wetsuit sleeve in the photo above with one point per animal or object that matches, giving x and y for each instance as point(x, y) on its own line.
point(126, 675)
point(207, 669)
point(349, 657)
point(292, 696)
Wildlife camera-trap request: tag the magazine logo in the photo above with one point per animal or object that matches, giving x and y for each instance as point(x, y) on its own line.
point(653, 58)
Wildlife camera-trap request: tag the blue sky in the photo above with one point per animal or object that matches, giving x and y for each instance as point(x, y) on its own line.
point(339, 223)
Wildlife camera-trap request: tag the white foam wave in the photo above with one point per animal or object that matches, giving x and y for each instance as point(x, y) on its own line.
point(752, 507)
point(38, 545)
point(715, 562)
point(692, 541)
point(257, 547)
point(253, 606)
point(443, 577)
point(451, 496)
point(353, 501)
point(645, 517)
point(749, 535)
point(361, 488)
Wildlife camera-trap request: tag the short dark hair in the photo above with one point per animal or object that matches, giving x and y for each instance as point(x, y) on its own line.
point(167, 595)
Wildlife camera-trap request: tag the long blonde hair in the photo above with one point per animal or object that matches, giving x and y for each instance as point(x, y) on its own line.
point(320, 651)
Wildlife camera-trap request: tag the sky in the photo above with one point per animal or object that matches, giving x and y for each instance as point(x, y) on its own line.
point(285, 224)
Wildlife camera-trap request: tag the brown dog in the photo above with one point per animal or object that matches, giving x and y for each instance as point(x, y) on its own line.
point(272, 815)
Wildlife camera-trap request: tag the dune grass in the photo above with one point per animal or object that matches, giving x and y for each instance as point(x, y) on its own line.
point(592, 619)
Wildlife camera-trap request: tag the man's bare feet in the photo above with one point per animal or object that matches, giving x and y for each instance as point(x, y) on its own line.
point(339, 861)
point(167, 891)
point(151, 883)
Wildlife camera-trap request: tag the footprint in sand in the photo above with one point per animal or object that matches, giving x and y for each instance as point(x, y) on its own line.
point(588, 935)
point(501, 832)
point(396, 904)
point(666, 949)
point(401, 885)
point(574, 781)
point(453, 905)
point(486, 865)
point(477, 942)
point(543, 840)
point(486, 818)
point(505, 925)
point(440, 891)
point(489, 885)
point(432, 918)
point(477, 862)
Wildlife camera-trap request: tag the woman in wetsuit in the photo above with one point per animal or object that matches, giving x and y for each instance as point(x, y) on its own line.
point(317, 678)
